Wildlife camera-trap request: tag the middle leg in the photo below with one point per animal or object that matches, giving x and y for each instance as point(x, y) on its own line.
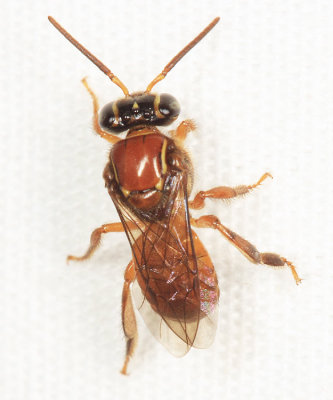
point(95, 240)
point(224, 192)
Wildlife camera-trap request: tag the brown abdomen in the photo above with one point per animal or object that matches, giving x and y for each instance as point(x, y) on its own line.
point(175, 284)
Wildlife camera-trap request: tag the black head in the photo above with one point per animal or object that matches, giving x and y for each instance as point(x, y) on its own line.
point(139, 109)
point(142, 108)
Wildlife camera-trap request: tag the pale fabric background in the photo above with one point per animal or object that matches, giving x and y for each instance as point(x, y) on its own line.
point(260, 88)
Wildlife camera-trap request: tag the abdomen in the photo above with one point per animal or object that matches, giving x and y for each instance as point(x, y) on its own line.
point(178, 284)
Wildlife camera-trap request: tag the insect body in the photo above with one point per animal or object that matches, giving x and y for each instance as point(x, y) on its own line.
point(149, 178)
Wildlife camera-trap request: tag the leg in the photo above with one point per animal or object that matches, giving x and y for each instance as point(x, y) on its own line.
point(183, 129)
point(224, 192)
point(105, 135)
point(95, 239)
point(245, 247)
point(128, 316)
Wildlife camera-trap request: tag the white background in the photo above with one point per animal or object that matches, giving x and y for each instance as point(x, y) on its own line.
point(260, 88)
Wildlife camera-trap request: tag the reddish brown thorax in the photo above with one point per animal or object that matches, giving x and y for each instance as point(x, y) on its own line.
point(137, 161)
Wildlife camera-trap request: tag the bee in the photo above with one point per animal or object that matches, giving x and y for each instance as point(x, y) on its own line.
point(149, 177)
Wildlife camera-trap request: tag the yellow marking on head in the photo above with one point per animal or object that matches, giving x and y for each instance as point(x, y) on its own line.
point(126, 192)
point(116, 113)
point(135, 106)
point(163, 157)
point(157, 106)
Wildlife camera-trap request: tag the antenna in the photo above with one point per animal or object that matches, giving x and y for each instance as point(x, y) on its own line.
point(91, 57)
point(181, 54)
point(113, 77)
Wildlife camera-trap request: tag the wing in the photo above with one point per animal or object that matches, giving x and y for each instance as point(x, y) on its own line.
point(169, 288)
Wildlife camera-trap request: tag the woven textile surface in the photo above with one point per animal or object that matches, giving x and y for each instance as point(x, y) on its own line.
point(259, 87)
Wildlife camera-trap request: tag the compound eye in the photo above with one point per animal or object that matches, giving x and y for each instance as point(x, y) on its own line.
point(113, 119)
point(169, 106)
point(107, 117)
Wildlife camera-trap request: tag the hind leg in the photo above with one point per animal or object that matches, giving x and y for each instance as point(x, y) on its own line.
point(245, 247)
point(128, 317)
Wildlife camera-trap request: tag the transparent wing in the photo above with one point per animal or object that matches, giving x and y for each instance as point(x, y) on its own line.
point(169, 288)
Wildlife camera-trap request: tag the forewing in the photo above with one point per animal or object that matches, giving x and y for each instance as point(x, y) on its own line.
point(167, 290)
